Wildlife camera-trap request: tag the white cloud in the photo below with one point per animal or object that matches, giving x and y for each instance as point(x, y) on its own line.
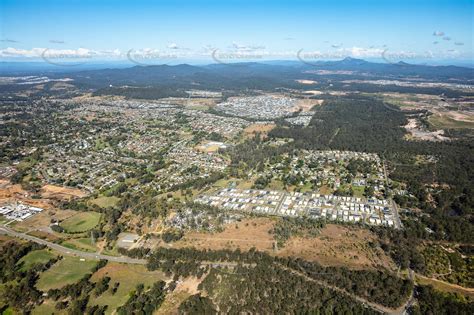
point(438, 33)
point(173, 46)
point(57, 53)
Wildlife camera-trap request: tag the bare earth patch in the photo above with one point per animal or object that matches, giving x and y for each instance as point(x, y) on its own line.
point(305, 105)
point(419, 133)
point(336, 245)
point(263, 129)
point(184, 289)
point(306, 81)
point(48, 193)
point(53, 191)
point(42, 220)
point(244, 235)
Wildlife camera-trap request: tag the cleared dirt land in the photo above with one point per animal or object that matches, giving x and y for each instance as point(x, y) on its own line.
point(52, 191)
point(10, 193)
point(263, 129)
point(244, 235)
point(184, 289)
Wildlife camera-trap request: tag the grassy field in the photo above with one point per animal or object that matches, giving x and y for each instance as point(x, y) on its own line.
point(445, 122)
point(83, 244)
point(66, 271)
point(358, 191)
point(105, 202)
point(36, 257)
point(444, 286)
point(82, 221)
point(47, 308)
point(129, 276)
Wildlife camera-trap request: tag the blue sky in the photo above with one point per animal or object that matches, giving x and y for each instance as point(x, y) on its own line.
point(273, 29)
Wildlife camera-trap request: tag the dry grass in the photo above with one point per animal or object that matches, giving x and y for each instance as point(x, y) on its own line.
point(444, 286)
point(338, 246)
point(306, 105)
point(263, 129)
point(184, 289)
point(129, 276)
point(244, 235)
point(44, 235)
point(43, 219)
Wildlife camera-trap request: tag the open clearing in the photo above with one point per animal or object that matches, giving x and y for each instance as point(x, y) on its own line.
point(263, 129)
point(48, 307)
point(338, 246)
point(184, 289)
point(452, 120)
point(444, 286)
point(66, 271)
point(105, 202)
point(43, 219)
point(82, 221)
point(40, 256)
point(305, 105)
point(82, 244)
point(10, 193)
point(53, 191)
point(244, 235)
point(129, 276)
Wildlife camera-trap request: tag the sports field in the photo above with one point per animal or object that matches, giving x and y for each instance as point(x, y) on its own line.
point(81, 222)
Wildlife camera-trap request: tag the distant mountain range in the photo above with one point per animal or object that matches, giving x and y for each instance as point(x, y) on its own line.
point(253, 75)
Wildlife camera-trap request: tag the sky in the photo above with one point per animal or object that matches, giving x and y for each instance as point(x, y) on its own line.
point(144, 31)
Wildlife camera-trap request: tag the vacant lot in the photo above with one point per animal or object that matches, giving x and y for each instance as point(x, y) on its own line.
point(129, 276)
point(82, 221)
point(338, 246)
point(263, 129)
point(53, 191)
point(244, 235)
point(43, 219)
point(41, 256)
point(11, 193)
point(66, 271)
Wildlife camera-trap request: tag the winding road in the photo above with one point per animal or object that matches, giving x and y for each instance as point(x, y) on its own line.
point(121, 259)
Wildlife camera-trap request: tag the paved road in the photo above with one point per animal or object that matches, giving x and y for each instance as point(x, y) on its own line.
point(397, 221)
point(68, 251)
